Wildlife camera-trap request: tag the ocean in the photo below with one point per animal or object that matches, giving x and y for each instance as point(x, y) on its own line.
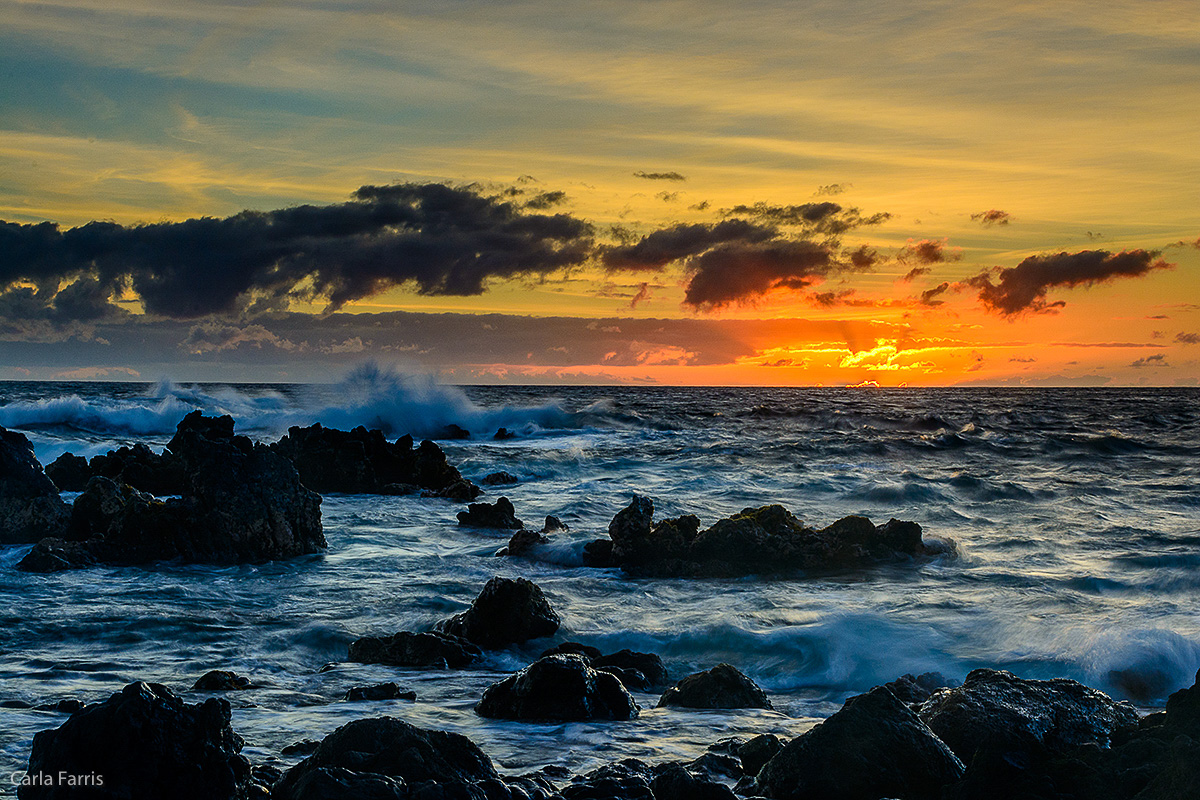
point(1076, 514)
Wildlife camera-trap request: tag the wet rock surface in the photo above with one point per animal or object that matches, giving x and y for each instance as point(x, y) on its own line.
point(873, 747)
point(221, 680)
point(500, 514)
point(406, 649)
point(363, 461)
point(30, 508)
point(241, 503)
point(507, 611)
point(379, 691)
point(763, 540)
point(143, 742)
point(558, 687)
point(723, 686)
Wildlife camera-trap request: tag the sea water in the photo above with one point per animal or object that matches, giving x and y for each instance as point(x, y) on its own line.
point(1075, 511)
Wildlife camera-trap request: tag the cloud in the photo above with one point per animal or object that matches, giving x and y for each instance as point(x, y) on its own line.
point(435, 238)
point(829, 218)
point(215, 337)
point(739, 272)
point(642, 296)
point(667, 197)
point(928, 297)
point(659, 248)
point(1188, 338)
point(1023, 288)
point(660, 176)
point(97, 373)
point(992, 217)
point(1156, 360)
point(915, 273)
point(831, 189)
point(927, 251)
point(545, 200)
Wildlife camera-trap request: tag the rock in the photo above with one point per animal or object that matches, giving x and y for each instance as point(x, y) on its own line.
point(1183, 711)
point(69, 706)
point(500, 514)
point(554, 524)
point(756, 752)
point(723, 686)
point(300, 748)
point(996, 711)
point(460, 491)
point(628, 779)
point(405, 649)
point(363, 752)
point(143, 742)
point(675, 782)
point(379, 691)
point(504, 433)
point(499, 479)
point(363, 461)
point(220, 680)
point(399, 489)
point(242, 503)
point(916, 689)
point(70, 473)
point(573, 648)
point(647, 665)
point(30, 508)
point(522, 543)
point(507, 611)
point(143, 469)
point(558, 687)
point(757, 541)
point(453, 431)
point(874, 747)
point(56, 555)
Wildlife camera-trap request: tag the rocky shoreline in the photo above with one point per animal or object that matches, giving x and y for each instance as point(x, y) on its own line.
point(214, 497)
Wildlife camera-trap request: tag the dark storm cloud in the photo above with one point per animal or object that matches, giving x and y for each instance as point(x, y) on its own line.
point(660, 176)
point(655, 250)
point(926, 251)
point(439, 239)
point(1023, 288)
point(742, 271)
point(1156, 360)
point(544, 200)
point(992, 217)
point(826, 217)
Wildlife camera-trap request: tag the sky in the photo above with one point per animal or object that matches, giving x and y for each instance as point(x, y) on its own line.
point(687, 192)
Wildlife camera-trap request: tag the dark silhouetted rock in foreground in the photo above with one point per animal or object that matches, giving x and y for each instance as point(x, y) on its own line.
point(242, 503)
point(372, 759)
point(757, 541)
point(723, 686)
point(143, 742)
point(638, 672)
point(874, 747)
point(558, 687)
point(916, 689)
point(405, 649)
point(380, 691)
point(507, 611)
point(500, 514)
point(363, 461)
point(143, 469)
point(30, 508)
point(69, 472)
point(994, 710)
point(221, 680)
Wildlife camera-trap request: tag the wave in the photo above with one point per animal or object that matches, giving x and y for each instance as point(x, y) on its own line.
point(372, 396)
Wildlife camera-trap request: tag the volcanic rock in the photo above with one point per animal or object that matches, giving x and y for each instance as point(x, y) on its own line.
point(558, 687)
point(221, 680)
point(379, 691)
point(405, 649)
point(143, 742)
point(507, 611)
point(500, 514)
point(69, 472)
point(874, 747)
point(499, 479)
point(143, 469)
point(30, 508)
point(723, 686)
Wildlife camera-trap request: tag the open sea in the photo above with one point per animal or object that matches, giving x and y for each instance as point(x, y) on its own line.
point(1076, 512)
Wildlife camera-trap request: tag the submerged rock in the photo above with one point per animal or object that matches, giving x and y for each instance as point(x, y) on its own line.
point(500, 514)
point(363, 461)
point(30, 508)
point(405, 649)
point(221, 680)
point(143, 742)
point(242, 503)
point(507, 611)
point(757, 541)
point(558, 687)
point(723, 686)
point(873, 747)
point(499, 479)
point(379, 691)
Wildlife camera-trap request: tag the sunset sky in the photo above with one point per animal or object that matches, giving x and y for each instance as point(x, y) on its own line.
point(692, 192)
